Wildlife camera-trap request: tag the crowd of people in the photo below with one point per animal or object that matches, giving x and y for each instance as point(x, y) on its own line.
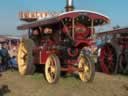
point(7, 57)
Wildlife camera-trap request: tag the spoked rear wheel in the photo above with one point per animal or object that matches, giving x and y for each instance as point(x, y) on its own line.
point(52, 69)
point(107, 59)
point(25, 57)
point(86, 68)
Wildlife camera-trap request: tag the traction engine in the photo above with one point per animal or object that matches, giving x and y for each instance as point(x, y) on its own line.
point(113, 57)
point(60, 43)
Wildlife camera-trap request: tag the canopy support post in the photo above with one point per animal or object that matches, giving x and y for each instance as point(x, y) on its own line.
point(73, 28)
point(92, 28)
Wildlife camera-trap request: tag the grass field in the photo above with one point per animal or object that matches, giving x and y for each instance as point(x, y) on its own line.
point(12, 84)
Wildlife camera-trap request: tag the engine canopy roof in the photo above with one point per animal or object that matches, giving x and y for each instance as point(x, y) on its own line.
point(91, 17)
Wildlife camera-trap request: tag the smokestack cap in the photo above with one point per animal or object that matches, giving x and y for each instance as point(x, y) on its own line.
point(69, 6)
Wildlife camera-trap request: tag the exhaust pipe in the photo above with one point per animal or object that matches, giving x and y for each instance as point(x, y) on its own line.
point(69, 6)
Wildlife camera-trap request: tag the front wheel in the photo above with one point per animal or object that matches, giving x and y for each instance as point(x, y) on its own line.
point(52, 69)
point(86, 68)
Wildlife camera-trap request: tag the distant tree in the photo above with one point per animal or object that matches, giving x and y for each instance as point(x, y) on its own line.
point(116, 27)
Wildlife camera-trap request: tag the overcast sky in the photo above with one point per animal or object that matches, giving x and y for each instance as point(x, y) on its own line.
point(117, 10)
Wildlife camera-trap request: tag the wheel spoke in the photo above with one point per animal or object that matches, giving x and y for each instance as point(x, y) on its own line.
point(52, 75)
point(86, 68)
point(53, 69)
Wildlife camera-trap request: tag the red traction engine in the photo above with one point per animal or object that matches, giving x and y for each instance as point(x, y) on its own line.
point(113, 56)
point(61, 43)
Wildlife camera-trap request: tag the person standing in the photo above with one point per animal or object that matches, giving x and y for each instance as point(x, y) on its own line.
point(4, 55)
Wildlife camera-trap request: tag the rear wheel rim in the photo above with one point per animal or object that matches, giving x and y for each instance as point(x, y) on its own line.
point(25, 57)
point(22, 57)
point(107, 59)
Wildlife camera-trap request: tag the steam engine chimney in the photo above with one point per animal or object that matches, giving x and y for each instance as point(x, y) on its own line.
point(69, 6)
